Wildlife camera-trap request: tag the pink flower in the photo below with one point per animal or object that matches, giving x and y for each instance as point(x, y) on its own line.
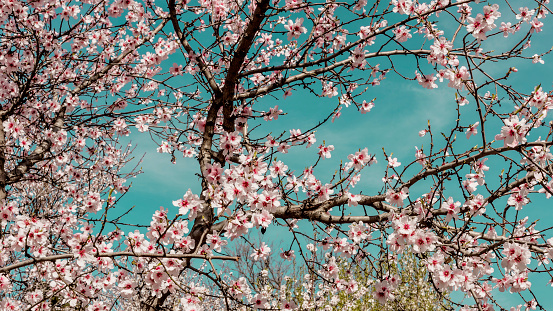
point(366, 107)
point(287, 93)
point(353, 200)
point(470, 185)
point(360, 159)
point(513, 132)
point(324, 151)
point(283, 148)
point(427, 81)
point(383, 292)
point(176, 70)
point(295, 29)
point(273, 114)
point(127, 288)
point(516, 257)
point(289, 305)
point(457, 77)
point(329, 90)
point(393, 162)
point(402, 34)
point(537, 59)
point(536, 25)
point(478, 26)
point(259, 301)
point(420, 156)
point(287, 255)
point(261, 253)
point(472, 130)
point(424, 241)
point(5, 283)
point(405, 226)
point(403, 6)
point(189, 202)
point(262, 219)
point(164, 147)
point(518, 198)
point(452, 209)
point(476, 205)
point(215, 241)
point(358, 232)
point(278, 169)
point(531, 305)
point(397, 198)
point(525, 14)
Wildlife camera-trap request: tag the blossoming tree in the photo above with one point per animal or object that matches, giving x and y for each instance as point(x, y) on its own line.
point(295, 278)
point(77, 77)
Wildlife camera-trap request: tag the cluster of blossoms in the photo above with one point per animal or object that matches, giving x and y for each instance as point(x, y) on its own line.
point(407, 234)
point(483, 23)
point(513, 132)
point(360, 159)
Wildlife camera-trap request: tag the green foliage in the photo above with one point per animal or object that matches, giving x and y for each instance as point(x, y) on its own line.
point(301, 280)
point(414, 292)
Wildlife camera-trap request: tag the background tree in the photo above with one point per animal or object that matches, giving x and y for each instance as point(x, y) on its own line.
point(77, 77)
point(282, 277)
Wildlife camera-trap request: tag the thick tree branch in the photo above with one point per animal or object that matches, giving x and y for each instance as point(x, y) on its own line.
point(112, 255)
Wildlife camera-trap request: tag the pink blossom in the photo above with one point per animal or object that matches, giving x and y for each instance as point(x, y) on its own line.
point(537, 59)
point(324, 151)
point(189, 203)
point(513, 132)
point(366, 107)
point(295, 29)
point(398, 197)
point(525, 14)
point(261, 253)
point(427, 81)
point(176, 70)
point(393, 162)
point(451, 208)
point(287, 255)
point(472, 129)
point(402, 34)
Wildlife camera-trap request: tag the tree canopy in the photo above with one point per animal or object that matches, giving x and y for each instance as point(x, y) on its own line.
point(208, 81)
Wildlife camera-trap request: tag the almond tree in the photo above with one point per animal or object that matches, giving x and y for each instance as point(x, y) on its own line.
point(77, 77)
